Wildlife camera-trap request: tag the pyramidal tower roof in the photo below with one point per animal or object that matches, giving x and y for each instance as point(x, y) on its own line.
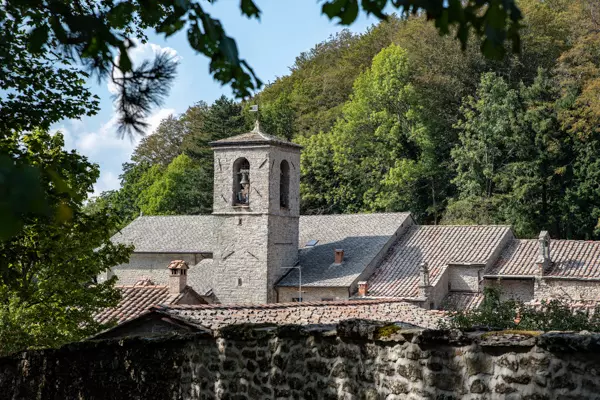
point(254, 137)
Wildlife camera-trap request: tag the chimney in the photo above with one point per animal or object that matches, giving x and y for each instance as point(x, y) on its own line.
point(362, 288)
point(178, 276)
point(424, 285)
point(544, 262)
point(339, 256)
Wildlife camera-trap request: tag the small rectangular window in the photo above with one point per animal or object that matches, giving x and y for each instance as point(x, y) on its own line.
point(311, 243)
point(297, 299)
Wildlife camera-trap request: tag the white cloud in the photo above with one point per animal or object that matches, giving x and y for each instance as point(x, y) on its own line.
point(102, 144)
point(108, 181)
point(107, 148)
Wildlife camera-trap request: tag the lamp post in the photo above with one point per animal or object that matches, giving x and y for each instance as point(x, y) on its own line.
point(297, 266)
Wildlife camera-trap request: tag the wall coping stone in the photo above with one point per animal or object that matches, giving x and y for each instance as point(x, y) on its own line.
point(364, 330)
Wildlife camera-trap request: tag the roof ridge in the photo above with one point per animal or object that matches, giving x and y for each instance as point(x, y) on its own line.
point(141, 286)
point(359, 213)
point(557, 240)
point(470, 226)
point(286, 305)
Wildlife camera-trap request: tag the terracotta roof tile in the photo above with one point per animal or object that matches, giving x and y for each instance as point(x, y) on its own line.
point(575, 259)
point(462, 301)
point(398, 274)
point(307, 313)
point(135, 300)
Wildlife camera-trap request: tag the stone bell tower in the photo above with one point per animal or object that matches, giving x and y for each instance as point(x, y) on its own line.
point(256, 208)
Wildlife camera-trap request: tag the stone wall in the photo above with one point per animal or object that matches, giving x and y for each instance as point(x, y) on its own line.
point(464, 278)
point(567, 289)
point(286, 294)
point(154, 267)
point(438, 292)
point(516, 289)
point(358, 361)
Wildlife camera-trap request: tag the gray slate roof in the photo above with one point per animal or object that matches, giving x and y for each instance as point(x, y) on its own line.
point(256, 136)
point(361, 236)
point(169, 234)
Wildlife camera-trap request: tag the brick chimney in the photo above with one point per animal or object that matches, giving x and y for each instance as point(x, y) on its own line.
point(424, 285)
point(544, 262)
point(362, 288)
point(178, 276)
point(339, 256)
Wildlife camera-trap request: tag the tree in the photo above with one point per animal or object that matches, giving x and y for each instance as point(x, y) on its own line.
point(162, 146)
point(514, 163)
point(490, 139)
point(98, 36)
point(184, 188)
point(48, 288)
point(206, 124)
point(38, 90)
point(93, 32)
point(379, 149)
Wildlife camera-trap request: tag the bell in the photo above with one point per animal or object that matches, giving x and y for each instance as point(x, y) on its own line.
point(244, 180)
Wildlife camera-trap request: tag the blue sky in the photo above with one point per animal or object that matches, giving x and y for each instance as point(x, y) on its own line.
point(286, 29)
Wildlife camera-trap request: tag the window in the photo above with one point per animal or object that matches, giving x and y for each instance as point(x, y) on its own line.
point(239, 281)
point(284, 184)
point(241, 182)
point(297, 299)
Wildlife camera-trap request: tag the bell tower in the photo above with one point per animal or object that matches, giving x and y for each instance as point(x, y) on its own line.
point(256, 209)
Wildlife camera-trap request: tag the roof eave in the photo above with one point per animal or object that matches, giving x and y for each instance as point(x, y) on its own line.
point(254, 143)
point(506, 276)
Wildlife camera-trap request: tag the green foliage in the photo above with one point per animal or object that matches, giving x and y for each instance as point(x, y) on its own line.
point(45, 45)
point(494, 20)
point(48, 288)
point(399, 118)
point(496, 314)
point(382, 153)
point(183, 188)
point(513, 161)
point(171, 170)
point(162, 146)
point(38, 90)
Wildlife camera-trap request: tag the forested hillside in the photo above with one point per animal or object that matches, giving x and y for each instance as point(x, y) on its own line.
point(399, 118)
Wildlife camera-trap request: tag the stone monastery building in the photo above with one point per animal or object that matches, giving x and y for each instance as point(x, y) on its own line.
point(256, 248)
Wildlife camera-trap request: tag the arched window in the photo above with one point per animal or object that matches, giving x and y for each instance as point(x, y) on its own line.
point(241, 182)
point(284, 185)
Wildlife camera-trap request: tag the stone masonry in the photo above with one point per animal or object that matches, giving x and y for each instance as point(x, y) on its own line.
point(254, 243)
point(359, 360)
point(154, 267)
point(288, 294)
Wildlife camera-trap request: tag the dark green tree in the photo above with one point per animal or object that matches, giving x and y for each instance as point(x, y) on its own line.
point(162, 146)
point(514, 163)
point(98, 36)
point(48, 288)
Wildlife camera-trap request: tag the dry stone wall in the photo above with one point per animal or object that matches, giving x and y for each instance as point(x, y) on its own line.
point(359, 360)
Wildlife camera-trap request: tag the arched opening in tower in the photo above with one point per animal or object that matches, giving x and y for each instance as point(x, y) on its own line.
point(241, 182)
